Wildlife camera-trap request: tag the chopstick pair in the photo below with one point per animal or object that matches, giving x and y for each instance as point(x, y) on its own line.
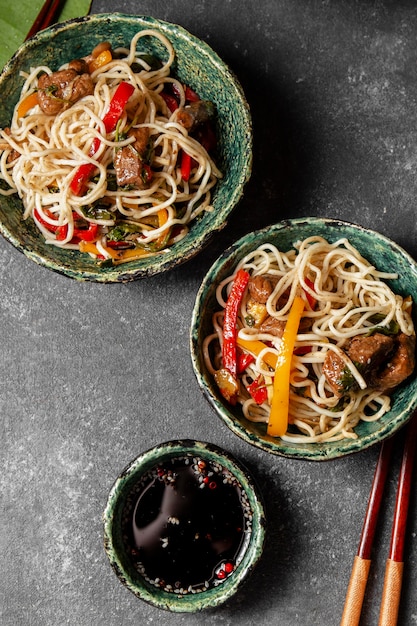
point(395, 562)
point(45, 18)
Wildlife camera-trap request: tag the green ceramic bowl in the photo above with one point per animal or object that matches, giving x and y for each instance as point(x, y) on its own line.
point(197, 65)
point(381, 252)
point(151, 470)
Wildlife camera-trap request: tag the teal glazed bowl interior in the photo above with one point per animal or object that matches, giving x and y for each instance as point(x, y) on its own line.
point(209, 484)
point(384, 254)
point(197, 65)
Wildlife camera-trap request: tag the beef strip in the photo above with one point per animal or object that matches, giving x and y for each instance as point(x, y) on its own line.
point(195, 113)
point(370, 352)
point(141, 142)
point(384, 362)
point(399, 367)
point(128, 161)
point(261, 287)
point(334, 369)
point(272, 326)
point(60, 90)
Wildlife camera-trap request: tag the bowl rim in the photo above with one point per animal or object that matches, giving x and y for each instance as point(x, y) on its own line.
point(193, 243)
point(115, 502)
point(320, 452)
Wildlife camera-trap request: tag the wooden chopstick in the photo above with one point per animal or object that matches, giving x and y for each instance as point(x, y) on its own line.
point(362, 561)
point(395, 563)
point(45, 17)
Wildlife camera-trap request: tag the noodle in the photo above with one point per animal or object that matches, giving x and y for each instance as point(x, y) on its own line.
point(351, 300)
point(41, 152)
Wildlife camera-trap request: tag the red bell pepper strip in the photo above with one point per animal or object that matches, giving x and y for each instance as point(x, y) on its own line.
point(244, 359)
point(186, 160)
point(229, 349)
point(310, 299)
point(258, 390)
point(170, 101)
point(190, 94)
point(83, 234)
point(117, 106)
point(51, 227)
point(313, 303)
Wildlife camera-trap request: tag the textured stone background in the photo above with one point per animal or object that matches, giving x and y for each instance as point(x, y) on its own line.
point(91, 375)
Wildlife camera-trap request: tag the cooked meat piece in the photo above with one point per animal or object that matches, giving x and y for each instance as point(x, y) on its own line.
point(129, 168)
point(79, 65)
point(261, 287)
point(336, 373)
point(59, 90)
point(128, 161)
point(400, 366)
point(370, 352)
point(195, 113)
point(141, 139)
point(273, 326)
point(383, 361)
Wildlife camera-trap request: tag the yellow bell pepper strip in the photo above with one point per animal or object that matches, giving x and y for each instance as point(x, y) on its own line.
point(116, 107)
point(102, 59)
point(255, 347)
point(278, 416)
point(117, 256)
point(229, 353)
point(163, 237)
point(130, 255)
point(27, 103)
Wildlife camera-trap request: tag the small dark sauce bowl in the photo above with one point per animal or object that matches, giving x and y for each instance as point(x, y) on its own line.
point(175, 488)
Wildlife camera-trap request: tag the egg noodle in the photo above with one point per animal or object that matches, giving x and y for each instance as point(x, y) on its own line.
point(349, 293)
point(51, 147)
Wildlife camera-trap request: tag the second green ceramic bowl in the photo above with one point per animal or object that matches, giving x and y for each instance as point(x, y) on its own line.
point(383, 253)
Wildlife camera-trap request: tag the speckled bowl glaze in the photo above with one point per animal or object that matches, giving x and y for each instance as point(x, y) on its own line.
point(115, 545)
point(381, 252)
point(198, 66)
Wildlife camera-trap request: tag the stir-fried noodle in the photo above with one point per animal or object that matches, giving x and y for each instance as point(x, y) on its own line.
point(41, 152)
point(351, 299)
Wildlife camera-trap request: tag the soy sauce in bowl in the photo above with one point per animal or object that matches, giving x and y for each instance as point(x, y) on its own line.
point(187, 525)
point(184, 525)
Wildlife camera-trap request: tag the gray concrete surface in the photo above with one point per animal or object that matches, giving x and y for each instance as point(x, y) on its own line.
point(91, 375)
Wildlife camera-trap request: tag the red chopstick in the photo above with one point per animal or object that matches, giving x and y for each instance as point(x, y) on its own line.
point(45, 18)
point(395, 563)
point(362, 561)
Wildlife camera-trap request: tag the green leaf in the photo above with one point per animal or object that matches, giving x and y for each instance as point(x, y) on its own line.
point(17, 18)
